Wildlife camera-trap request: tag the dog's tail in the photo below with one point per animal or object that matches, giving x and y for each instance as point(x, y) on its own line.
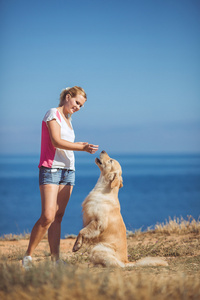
point(148, 261)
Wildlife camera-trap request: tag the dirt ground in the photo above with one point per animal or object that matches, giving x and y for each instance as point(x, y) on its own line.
point(176, 249)
point(14, 250)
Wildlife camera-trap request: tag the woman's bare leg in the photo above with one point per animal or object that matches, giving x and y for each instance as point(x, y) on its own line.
point(55, 228)
point(49, 193)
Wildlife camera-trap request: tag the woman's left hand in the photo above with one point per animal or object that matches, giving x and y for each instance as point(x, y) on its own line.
point(90, 148)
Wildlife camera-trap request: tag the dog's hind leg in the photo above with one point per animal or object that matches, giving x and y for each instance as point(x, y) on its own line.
point(91, 231)
point(105, 256)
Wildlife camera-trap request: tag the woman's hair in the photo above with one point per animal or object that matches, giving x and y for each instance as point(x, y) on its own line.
point(73, 91)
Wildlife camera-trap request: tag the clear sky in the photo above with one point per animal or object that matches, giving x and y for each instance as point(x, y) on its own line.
point(138, 61)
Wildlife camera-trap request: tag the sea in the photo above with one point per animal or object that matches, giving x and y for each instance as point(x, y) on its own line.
point(156, 188)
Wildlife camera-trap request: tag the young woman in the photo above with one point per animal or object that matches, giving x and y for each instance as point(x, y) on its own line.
point(56, 170)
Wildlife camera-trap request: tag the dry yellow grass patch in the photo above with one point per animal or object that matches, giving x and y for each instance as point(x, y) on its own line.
point(179, 244)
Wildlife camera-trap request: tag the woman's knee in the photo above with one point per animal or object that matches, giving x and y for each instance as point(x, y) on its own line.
point(46, 219)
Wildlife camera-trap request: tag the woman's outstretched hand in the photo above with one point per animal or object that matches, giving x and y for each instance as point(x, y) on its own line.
point(90, 148)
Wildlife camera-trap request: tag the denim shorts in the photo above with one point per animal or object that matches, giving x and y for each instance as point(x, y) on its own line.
point(56, 176)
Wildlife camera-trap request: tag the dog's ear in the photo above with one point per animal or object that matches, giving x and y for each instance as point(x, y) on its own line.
point(110, 176)
point(121, 182)
point(117, 181)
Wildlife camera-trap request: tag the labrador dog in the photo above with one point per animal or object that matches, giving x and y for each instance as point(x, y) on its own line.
point(104, 228)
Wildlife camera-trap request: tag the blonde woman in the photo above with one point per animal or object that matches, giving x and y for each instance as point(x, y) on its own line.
point(56, 170)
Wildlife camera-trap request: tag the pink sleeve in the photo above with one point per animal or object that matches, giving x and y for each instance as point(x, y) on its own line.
point(51, 115)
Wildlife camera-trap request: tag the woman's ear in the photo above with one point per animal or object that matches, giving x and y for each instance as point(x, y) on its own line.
point(67, 97)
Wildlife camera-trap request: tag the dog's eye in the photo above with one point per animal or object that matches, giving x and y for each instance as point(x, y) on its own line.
point(111, 161)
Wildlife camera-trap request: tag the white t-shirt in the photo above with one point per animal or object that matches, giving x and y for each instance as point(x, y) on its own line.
point(50, 156)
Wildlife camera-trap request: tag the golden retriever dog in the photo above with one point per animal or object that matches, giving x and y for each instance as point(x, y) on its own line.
point(104, 228)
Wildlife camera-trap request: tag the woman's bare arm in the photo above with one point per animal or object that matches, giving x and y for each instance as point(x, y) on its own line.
point(54, 132)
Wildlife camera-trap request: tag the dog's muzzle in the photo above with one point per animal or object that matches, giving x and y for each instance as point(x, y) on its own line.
point(97, 160)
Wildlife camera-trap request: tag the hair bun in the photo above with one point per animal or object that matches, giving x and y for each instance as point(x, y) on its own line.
point(67, 88)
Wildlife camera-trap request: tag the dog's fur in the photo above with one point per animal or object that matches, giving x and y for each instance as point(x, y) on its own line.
point(104, 227)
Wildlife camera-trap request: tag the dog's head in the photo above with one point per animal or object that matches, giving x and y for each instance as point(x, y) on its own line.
point(110, 169)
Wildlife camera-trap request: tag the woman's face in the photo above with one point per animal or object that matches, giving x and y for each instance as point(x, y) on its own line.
point(73, 104)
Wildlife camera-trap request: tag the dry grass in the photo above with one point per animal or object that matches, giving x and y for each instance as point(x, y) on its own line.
point(46, 282)
point(15, 237)
point(179, 244)
point(164, 247)
point(179, 226)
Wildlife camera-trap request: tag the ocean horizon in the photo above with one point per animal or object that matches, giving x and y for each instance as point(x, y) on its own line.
point(156, 187)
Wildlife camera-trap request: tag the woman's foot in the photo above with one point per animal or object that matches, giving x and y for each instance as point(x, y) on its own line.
point(59, 262)
point(27, 262)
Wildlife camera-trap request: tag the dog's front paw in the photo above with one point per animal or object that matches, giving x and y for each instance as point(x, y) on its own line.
point(78, 244)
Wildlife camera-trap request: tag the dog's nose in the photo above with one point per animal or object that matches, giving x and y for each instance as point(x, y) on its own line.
point(103, 151)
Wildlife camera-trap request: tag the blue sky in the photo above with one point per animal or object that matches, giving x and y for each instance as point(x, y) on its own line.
point(138, 62)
